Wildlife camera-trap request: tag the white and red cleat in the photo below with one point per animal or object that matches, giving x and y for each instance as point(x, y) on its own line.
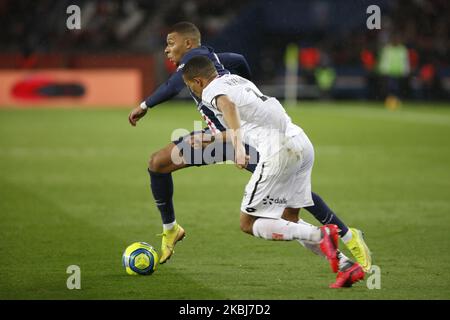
point(329, 245)
point(345, 279)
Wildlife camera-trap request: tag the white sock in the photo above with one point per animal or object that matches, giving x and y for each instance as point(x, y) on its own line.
point(310, 245)
point(168, 226)
point(280, 229)
point(314, 247)
point(347, 237)
point(344, 261)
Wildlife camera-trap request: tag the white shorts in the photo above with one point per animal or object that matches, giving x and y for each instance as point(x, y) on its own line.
point(281, 181)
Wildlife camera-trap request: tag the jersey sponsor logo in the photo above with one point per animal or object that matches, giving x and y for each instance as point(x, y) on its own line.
point(278, 201)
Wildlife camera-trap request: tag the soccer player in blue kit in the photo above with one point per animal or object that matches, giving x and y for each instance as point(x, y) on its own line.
point(183, 43)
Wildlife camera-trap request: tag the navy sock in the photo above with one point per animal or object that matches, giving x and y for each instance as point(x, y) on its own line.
point(325, 215)
point(162, 189)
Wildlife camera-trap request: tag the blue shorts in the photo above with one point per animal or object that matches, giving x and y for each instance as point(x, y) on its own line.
point(214, 153)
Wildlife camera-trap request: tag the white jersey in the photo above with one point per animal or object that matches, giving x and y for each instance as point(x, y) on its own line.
point(264, 122)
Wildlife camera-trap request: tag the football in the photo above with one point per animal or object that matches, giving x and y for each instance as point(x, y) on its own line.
point(140, 258)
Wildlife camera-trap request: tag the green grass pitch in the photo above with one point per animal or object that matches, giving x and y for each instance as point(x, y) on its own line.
point(74, 191)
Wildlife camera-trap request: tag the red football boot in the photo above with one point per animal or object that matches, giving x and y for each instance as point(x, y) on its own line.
point(345, 279)
point(329, 245)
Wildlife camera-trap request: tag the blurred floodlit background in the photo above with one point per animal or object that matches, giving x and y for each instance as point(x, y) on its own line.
point(120, 45)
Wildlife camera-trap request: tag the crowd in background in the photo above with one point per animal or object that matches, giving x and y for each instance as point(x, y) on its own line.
point(410, 51)
point(117, 25)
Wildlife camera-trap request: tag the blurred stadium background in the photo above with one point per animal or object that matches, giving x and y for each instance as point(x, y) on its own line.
point(338, 57)
point(73, 179)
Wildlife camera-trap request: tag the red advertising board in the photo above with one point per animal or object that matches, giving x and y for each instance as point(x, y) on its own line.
point(79, 87)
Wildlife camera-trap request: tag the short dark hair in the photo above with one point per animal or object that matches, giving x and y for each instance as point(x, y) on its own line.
point(199, 66)
point(186, 28)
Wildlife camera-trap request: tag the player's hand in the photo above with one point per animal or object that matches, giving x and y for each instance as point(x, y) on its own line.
point(135, 115)
point(241, 158)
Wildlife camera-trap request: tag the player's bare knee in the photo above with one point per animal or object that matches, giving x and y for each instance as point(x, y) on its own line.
point(246, 227)
point(155, 164)
point(246, 223)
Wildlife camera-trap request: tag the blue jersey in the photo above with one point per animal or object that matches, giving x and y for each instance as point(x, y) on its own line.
point(224, 62)
point(211, 55)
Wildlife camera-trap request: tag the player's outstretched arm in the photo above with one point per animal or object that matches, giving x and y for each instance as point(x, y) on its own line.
point(165, 92)
point(233, 121)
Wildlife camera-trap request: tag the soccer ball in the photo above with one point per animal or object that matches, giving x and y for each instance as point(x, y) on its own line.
point(140, 258)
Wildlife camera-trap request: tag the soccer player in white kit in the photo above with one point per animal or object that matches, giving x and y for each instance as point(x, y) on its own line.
point(282, 178)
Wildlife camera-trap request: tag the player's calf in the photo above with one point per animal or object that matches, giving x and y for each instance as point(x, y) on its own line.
point(291, 214)
point(279, 229)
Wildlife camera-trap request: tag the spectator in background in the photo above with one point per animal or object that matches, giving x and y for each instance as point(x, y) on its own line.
point(394, 69)
point(309, 59)
point(325, 75)
point(429, 85)
point(369, 62)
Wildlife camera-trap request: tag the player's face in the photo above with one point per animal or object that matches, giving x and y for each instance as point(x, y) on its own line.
point(177, 46)
point(196, 86)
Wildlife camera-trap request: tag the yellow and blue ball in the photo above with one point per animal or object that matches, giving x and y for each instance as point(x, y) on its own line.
point(140, 258)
